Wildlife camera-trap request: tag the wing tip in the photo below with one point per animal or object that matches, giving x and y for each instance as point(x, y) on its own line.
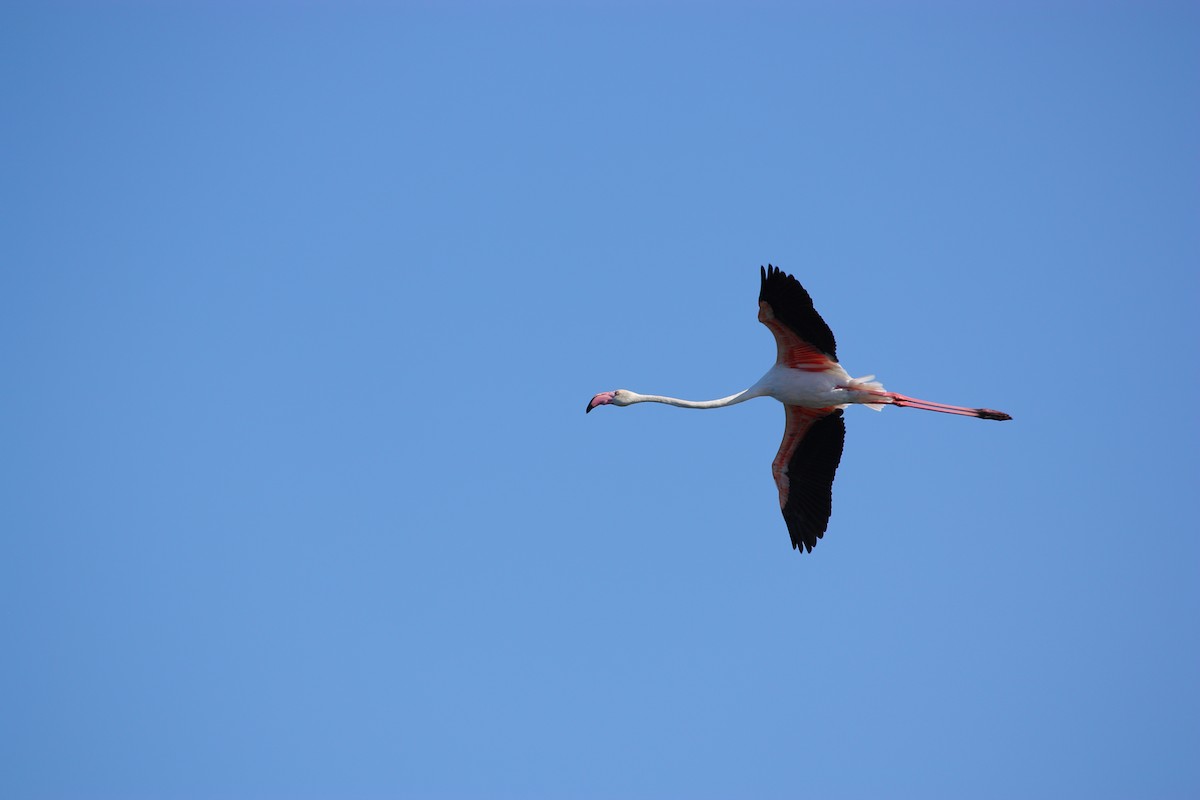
point(768, 274)
point(804, 545)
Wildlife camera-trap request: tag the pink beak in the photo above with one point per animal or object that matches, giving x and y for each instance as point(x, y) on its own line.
point(602, 399)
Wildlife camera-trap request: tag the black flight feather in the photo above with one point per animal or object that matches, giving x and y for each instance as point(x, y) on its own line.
point(794, 308)
point(810, 480)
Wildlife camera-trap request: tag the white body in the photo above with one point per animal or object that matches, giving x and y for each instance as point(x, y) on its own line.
point(831, 387)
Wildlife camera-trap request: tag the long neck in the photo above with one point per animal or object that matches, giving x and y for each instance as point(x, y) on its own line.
point(675, 401)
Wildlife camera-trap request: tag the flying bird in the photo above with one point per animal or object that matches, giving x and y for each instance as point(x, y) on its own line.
point(814, 389)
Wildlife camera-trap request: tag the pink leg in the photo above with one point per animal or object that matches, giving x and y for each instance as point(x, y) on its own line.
point(905, 401)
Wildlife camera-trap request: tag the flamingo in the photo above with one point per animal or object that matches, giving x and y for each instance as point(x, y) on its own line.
point(814, 388)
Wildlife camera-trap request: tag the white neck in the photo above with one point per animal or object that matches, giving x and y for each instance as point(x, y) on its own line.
point(675, 401)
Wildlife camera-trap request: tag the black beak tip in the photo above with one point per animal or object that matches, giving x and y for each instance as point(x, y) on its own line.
point(588, 410)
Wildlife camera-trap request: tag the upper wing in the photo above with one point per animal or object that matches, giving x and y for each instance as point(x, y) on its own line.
point(804, 468)
point(803, 338)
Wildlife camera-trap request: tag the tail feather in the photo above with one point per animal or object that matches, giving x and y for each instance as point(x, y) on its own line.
point(868, 384)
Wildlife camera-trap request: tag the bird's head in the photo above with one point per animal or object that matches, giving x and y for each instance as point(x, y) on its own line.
point(621, 397)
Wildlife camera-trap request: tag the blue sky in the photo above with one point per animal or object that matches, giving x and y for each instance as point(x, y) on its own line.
point(300, 307)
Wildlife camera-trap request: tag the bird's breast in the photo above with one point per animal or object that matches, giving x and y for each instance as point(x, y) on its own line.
point(798, 387)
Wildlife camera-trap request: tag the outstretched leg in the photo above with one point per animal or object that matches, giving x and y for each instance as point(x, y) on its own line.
point(927, 405)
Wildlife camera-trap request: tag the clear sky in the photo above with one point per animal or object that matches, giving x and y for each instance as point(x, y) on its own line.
point(300, 306)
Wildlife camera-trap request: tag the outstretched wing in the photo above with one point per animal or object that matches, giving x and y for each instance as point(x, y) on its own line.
point(803, 338)
point(804, 468)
